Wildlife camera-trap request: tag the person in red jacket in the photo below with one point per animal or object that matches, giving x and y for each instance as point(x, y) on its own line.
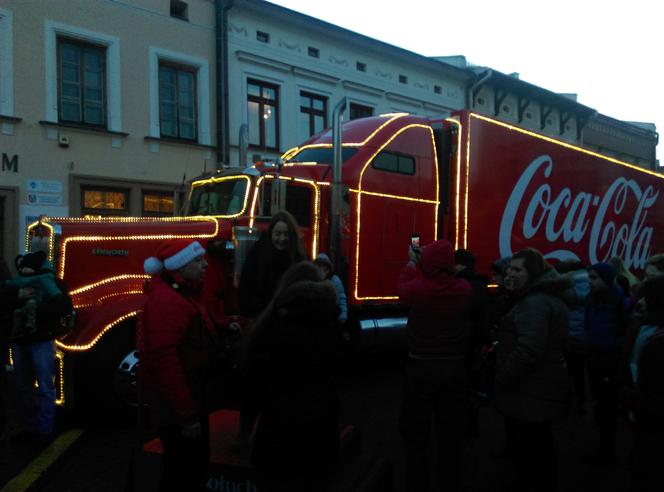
point(178, 344)
point(438, 334)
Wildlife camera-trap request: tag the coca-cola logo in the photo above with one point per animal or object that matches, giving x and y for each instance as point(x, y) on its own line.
point(566, 220)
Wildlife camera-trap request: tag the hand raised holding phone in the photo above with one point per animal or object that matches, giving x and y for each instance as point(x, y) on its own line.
point(414, 250)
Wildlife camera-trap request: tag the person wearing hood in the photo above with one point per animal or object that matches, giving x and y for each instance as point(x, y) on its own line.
point(531, 386)
point(323, 262)
point(438, 333)
point(576, 353)
point(33, 345)
point(297, 434)
point(605, 329)
point(178, 344)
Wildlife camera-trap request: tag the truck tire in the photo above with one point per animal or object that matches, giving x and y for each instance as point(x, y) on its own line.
point(107, 375)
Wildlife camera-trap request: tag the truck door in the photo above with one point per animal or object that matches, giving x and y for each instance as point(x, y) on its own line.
point(297, 197)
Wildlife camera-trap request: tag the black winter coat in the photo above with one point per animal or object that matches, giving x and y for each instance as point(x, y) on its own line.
point(532, 381)
point(298, 423)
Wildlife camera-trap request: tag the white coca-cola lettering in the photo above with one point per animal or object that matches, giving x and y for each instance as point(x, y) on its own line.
point(630, 239)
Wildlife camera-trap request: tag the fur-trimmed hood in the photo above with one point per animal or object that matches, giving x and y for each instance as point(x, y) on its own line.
point(552, 283)
point(302, 294)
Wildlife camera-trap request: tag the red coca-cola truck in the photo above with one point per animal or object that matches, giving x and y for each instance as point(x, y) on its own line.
point(484, 185)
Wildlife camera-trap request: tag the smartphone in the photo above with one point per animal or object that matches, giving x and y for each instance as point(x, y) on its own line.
point(415, 242)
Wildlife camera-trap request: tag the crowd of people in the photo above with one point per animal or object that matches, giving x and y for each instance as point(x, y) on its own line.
point(530, 348)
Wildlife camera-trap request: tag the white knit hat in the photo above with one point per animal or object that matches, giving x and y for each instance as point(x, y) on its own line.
point(172, 255)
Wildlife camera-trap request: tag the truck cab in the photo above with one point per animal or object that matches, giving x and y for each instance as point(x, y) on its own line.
point(390, 186)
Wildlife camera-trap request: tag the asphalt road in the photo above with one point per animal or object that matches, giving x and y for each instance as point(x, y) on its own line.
point(98, 458)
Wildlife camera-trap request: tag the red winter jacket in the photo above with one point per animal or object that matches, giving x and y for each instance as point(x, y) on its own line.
point(179, 343)
point(438, 323)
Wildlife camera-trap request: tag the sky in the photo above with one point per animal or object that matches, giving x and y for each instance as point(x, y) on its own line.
point(610, 53)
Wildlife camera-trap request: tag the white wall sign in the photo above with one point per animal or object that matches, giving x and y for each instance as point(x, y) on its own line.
point(43, 186)
point(46, 199)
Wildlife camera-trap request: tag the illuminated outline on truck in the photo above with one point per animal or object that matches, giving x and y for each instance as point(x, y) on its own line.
point(87, 346)
point(289, 153)
point(435, 201)
point(359, 191)
point(247, 189)
point(108, 280)
point(63, 247)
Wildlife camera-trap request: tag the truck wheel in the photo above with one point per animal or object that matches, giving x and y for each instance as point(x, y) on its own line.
point(107, 376)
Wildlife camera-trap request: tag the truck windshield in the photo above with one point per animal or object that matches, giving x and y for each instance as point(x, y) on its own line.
point(322, 155)
point(212, 197)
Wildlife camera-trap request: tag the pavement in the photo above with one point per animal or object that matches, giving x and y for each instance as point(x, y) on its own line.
point(99, 459)
point(372, 404)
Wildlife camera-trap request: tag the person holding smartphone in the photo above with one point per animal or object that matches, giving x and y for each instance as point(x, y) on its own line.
point(435, 387)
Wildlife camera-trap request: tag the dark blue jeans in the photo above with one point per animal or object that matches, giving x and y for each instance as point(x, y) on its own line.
point(36, 362)
point(434, 391)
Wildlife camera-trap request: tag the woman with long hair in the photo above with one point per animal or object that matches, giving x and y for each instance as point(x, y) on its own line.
point(276, 250)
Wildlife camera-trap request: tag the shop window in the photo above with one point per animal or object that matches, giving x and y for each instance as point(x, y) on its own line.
point(177, 102)
point(104, 201)
point(263, 114)
point(158, 203)
point(81, 83)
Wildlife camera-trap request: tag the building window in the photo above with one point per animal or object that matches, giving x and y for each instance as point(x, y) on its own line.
point(179, 9)
point(81, 83)
point(360, 111)
point(158, 203)
point(177, 102)
point(263, 112)
point(6, 63)
point(186, 112)
point(361, 67)
point(315, 52)
point(263, 37)
point(313, 114)
point(104, 201)
point(403, 79)
point(54, 34)
point(437, 89)
point(395, 163)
